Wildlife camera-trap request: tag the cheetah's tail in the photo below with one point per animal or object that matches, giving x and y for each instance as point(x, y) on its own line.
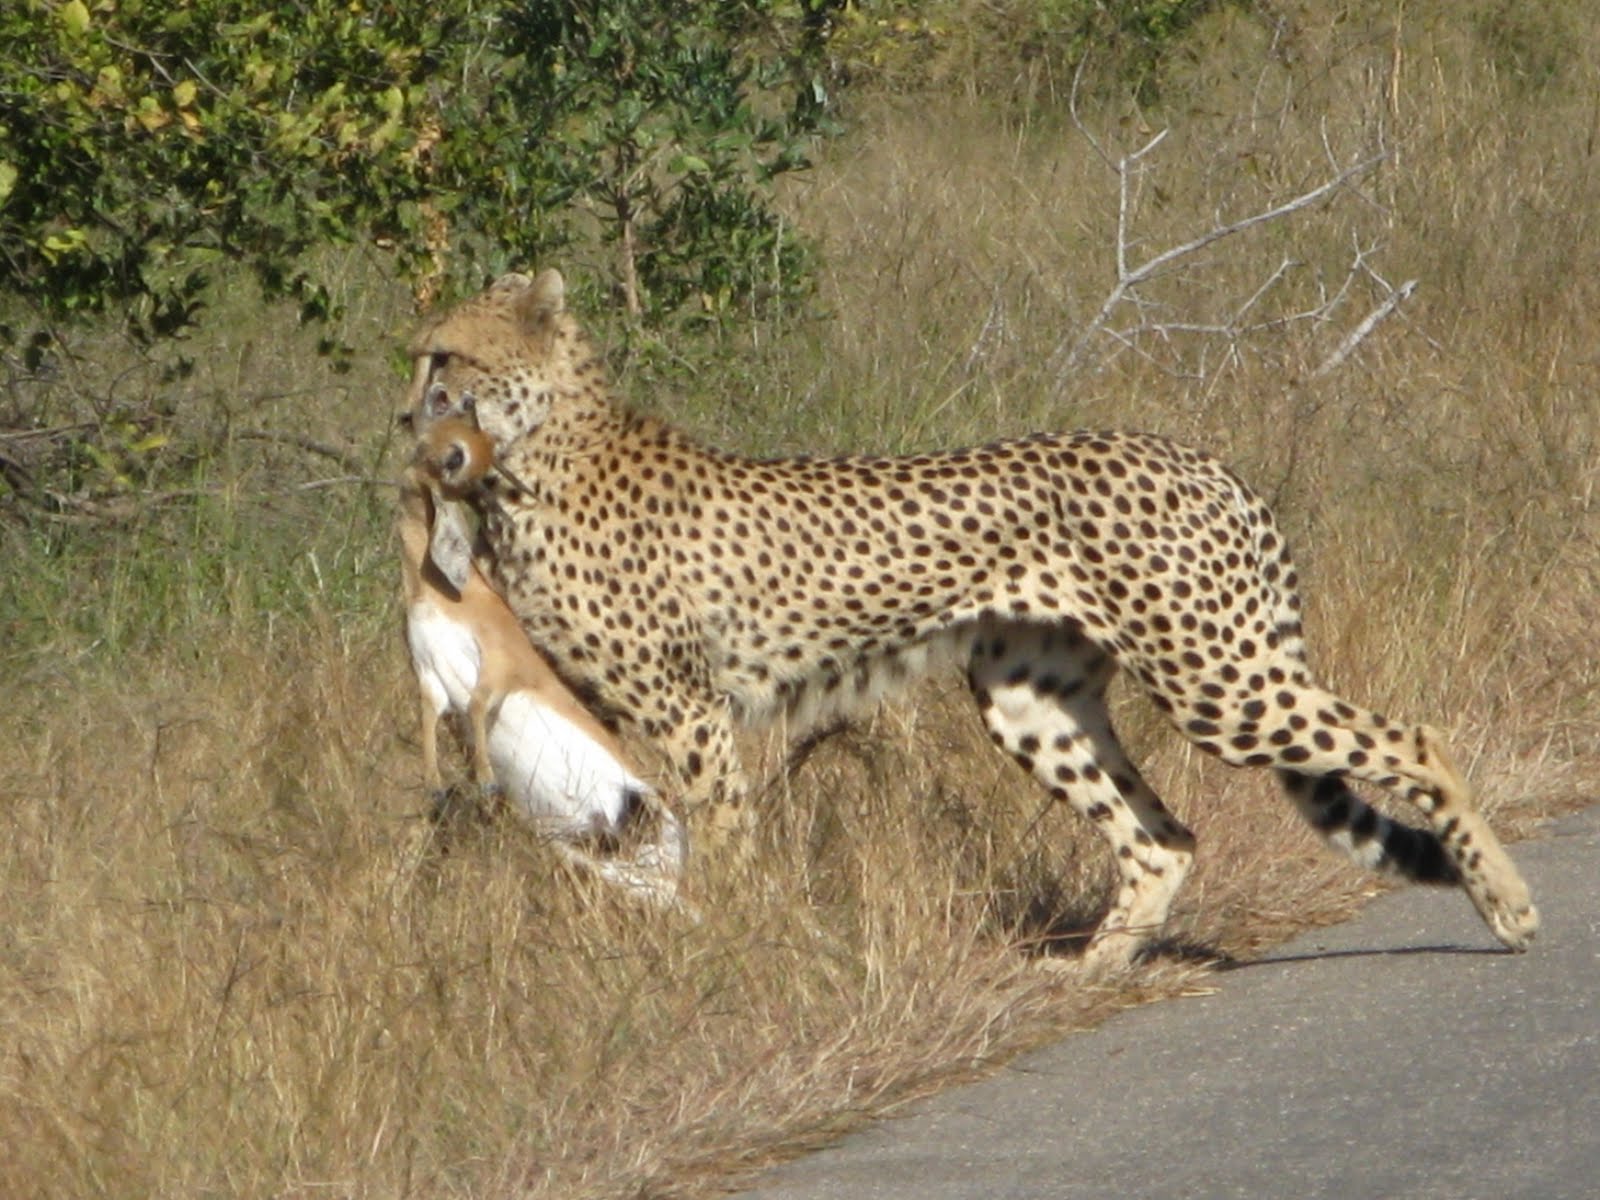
point(1379, 843)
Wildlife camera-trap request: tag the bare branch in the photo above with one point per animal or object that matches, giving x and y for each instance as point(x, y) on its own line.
point(313, 485)
point(1284, 268)
point(1234, 329)
point(53, 505)
point(1072, 109)
point(1069, 354)
point(993, 332)
point(1359, 334)
point(301, 442)
point(1125, 169)
point(48, 434)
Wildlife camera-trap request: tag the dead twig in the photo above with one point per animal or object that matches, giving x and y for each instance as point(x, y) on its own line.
point(59, 507)
point(1071, 351)
point(313, 485)
point(48, 434)
point(300, 441)
point(1359, 334)
point(1068, 355)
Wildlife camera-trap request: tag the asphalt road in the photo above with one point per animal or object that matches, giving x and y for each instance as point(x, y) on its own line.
point(1400, 1055)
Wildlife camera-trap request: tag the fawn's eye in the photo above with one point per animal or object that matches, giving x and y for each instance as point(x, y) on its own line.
point(454, 459)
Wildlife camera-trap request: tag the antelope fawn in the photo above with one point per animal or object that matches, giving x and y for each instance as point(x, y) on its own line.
point(532, 741)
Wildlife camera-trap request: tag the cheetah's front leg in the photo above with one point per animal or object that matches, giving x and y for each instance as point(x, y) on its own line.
point(715, 796)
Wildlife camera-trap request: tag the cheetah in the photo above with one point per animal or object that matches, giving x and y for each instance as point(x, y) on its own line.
point(685, 589)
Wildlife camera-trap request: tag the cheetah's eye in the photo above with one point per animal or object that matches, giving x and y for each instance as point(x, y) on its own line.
point(468, 402)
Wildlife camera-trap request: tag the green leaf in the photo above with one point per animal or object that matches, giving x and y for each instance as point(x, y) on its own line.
point(74, 15)
point(58, 245)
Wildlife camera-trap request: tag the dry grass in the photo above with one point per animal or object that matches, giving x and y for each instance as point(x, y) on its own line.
point(231, 963)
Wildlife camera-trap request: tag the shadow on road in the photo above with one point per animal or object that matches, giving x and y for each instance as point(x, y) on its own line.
point(1389, 952)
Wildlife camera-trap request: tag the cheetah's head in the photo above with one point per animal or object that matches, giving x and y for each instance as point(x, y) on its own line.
point(511, 358)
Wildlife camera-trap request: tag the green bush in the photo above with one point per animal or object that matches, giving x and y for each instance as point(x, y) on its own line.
point(146, 147)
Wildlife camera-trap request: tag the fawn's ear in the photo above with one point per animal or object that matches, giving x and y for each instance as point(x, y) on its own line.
point(450, 544)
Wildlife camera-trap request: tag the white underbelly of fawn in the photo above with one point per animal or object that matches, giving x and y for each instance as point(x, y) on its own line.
point(551, 772)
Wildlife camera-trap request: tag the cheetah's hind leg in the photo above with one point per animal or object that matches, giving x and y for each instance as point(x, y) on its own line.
point(1321, 740)
point(1042, 694)
point(1488, 875)
point(1458, 848)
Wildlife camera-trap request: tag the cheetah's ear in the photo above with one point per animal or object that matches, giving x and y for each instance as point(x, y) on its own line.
point(544, 299)
point(450, 543)
point(512, 281)
point(538, 307)
point(548, 291)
